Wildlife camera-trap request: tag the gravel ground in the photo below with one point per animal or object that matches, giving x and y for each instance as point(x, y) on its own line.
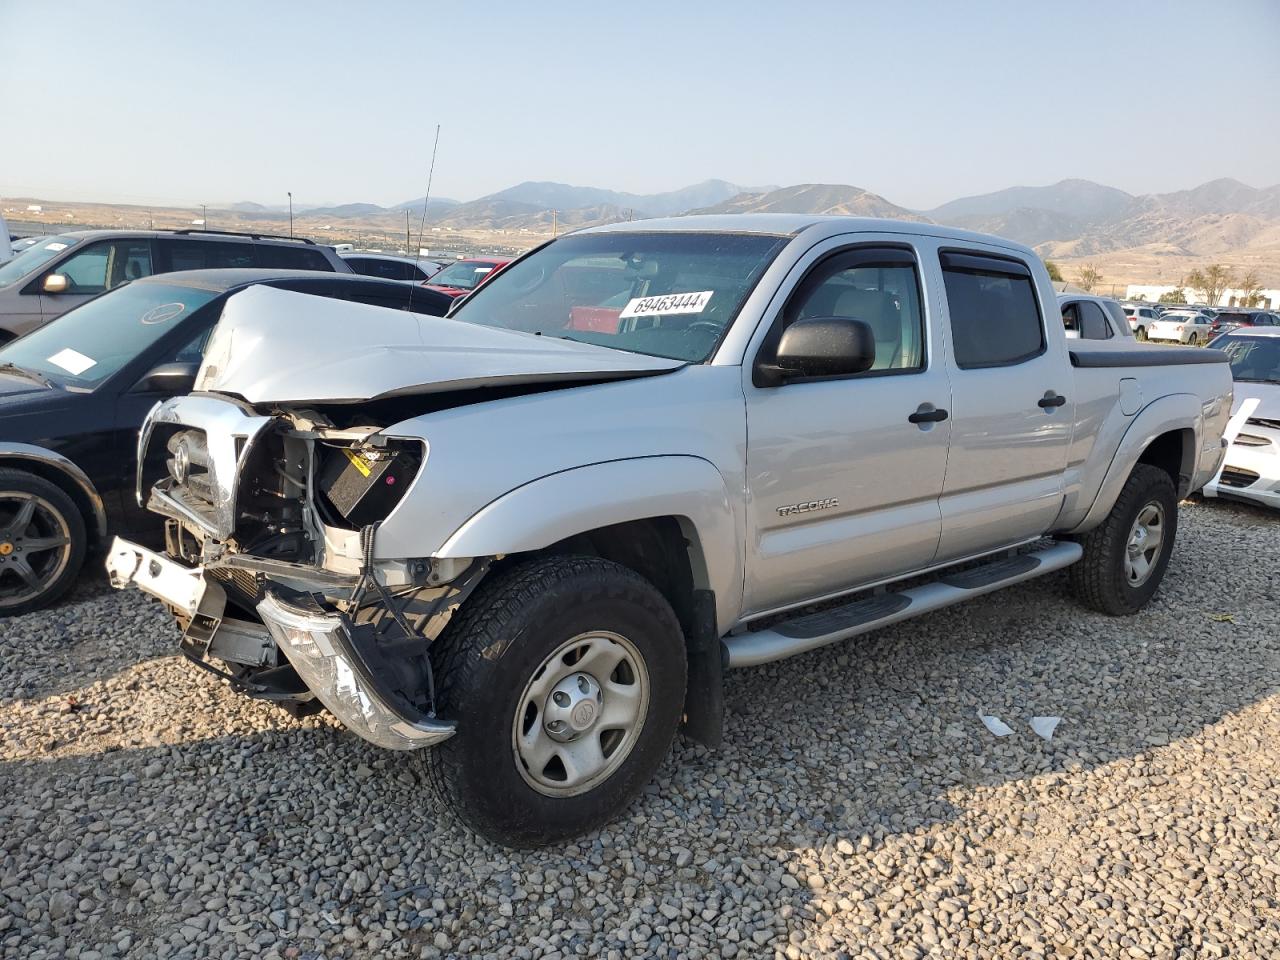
point(858, 807)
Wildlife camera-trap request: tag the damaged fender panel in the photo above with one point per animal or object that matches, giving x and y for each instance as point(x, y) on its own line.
point(546, 511)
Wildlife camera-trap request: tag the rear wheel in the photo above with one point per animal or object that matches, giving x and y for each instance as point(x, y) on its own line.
point(1126, 556)
point(566, 676)
point(42, 542)
point(1140, 333)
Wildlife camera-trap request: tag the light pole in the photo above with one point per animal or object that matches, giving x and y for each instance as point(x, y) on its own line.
point(290, 214)
point(204, 216)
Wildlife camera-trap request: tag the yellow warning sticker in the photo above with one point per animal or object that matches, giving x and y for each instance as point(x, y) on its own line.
point(357, 461)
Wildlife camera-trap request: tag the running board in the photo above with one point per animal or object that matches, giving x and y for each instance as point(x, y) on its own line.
point(813, 630)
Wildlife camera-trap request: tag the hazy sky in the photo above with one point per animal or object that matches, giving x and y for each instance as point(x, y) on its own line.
point(921, 102)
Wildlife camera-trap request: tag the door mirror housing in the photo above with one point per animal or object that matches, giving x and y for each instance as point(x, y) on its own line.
point(55, 283)
point(171, 379)
point(820, 347)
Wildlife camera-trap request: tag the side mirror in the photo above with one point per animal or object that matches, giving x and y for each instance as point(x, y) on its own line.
point(171, 379)
point(55, 283)
point(820, 347)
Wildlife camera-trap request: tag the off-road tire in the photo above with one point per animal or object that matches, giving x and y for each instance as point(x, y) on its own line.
point(1098, 578)
point(61, 503)
point(490, 651)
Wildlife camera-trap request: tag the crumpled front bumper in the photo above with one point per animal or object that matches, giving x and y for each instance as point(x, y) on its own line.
point(317, 643)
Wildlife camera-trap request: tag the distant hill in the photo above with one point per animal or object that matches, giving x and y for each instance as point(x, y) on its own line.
point(345, 210)
point(438, 206)
point(1083, 200)
point(815, 198)
point(549, 195)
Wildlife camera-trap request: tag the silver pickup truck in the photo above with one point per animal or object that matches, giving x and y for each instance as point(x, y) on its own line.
point(531, 536)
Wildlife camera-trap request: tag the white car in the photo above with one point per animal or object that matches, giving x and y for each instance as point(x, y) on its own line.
point(1251, 469)
point(1182, 326)
point(1140, 319)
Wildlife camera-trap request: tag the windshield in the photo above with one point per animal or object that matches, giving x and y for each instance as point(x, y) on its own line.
point(85, 346)
point(33, 258)
point(663, 294)
point(464, 275)
point(1252, 358)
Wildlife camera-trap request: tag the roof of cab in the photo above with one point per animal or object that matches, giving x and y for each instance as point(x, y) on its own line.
point(793, 224)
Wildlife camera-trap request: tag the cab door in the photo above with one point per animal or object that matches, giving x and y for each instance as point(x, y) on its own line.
point(844, 473)
point(1012, 406)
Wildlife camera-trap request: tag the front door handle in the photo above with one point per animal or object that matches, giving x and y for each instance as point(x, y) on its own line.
point(1051, 399)
point(926, 413)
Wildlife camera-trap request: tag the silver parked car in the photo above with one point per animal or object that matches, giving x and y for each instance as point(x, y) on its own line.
point(530, 536)
point(65, 270)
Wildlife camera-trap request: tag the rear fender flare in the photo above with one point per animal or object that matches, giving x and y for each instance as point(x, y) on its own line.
point(552, 508)
point(1177, 412)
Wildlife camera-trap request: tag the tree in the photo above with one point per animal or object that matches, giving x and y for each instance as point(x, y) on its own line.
point(1176, 295)
point(1250, 290)
point(1211, 282)
point(1055, 273)
point(1088, 278)
point(1139, 296)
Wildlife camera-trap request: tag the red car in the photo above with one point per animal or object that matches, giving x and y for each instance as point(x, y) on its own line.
point(463, 276)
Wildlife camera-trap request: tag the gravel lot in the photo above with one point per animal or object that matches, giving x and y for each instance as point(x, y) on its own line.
point(858, 807)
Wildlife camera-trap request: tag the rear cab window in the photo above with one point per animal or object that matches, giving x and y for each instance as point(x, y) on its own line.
point(995, 313)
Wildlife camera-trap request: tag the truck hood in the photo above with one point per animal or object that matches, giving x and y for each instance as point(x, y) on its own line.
point(278, 346)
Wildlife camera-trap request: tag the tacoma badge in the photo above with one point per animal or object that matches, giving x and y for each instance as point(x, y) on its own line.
point(808, 506)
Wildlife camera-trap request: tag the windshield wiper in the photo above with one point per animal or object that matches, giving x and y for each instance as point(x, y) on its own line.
point(39, 378)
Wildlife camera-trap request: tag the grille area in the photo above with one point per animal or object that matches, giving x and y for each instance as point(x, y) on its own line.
point(1237, 477)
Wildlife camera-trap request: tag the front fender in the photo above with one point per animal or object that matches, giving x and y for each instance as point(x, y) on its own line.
point(548, 510)
point(56, 463)
point(1176, 412)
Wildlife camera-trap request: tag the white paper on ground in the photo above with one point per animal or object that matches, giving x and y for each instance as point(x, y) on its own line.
point(996, 725)
point(1044, 726)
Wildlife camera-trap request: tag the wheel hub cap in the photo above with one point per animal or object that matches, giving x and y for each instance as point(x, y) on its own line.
point(580, 714)
point(1146, 539)
point(573, 707)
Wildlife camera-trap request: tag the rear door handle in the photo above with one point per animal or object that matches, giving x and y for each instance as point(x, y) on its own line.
point(1051, 399)
point(927, 414)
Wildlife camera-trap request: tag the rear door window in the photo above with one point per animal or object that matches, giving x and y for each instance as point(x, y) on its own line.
point(995, 315)
point(186, 253)
point(1093, 322)
point(279, 256)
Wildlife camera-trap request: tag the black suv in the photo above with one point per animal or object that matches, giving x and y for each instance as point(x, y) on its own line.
point(63, 271)
point(1230, 319)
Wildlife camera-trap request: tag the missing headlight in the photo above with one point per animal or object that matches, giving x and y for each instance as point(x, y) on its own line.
point(365, 483)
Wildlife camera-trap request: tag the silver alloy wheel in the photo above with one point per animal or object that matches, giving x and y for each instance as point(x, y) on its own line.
point(580, 714)
point(35, 546)
point(1146, 539)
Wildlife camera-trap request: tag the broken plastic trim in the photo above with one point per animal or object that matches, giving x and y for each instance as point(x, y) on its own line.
point(318, 645)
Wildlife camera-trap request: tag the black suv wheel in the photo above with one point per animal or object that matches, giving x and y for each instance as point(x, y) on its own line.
point(42, 542)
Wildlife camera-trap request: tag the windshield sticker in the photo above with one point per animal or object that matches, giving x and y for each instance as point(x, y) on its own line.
point(55, 247)
point(484, 269)
point(72, 361)
point(163, 313)
point(667, 304)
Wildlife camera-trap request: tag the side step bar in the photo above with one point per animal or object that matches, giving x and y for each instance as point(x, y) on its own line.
point(813, 630)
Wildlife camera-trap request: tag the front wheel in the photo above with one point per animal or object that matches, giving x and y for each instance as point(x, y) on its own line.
point(566, 676)
point(1126, 556)
point(42, 542)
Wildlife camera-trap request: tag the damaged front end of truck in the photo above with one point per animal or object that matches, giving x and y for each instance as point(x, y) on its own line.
point(275, 478)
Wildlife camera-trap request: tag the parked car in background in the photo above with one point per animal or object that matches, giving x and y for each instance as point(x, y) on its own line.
point(388, 267)
point(531, 535)
point(1251, 470)
point(1141, 316)
point(1182, 326)
point(463, 276)
point(68, 269)
point(1229, 318)
point(1086, 317)
point(74, 392)
point(24, 243)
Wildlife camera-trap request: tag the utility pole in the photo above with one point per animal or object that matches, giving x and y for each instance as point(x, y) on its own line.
point(555, 223)
point(204, 216)
point(290, 192)
point(408, 236)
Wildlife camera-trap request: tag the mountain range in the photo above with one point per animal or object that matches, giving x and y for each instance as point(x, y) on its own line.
point(1157, 234)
